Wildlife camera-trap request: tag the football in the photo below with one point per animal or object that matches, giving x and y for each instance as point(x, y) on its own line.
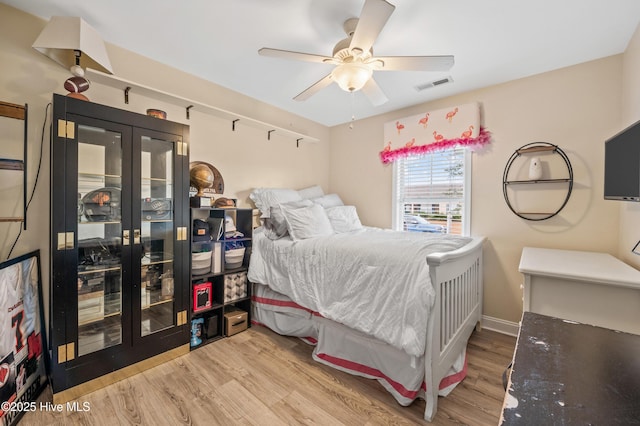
point(76, 84)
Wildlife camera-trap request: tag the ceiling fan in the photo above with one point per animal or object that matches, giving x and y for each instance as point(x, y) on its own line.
point(354, 59)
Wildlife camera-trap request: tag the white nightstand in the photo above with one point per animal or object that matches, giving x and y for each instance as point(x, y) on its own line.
point(588, 287)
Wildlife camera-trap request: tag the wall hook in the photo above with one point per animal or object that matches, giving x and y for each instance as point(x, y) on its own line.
point(188, 108)
point(298, 142)
point(269, 134)
point(126, 94)
point(233, 124)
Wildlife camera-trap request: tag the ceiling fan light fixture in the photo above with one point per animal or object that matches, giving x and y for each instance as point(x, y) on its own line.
point(351, 76)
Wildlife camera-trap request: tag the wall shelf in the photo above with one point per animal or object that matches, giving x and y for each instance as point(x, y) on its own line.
point(518, 182)
point(131, 88)
point(18, 112)
point(532, 148)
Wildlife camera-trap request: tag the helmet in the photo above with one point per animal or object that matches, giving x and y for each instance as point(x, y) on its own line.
point(102, 205)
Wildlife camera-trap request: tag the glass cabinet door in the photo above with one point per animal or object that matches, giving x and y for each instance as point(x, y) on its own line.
point(118, 246)
point(157, 296)
point(99, 230)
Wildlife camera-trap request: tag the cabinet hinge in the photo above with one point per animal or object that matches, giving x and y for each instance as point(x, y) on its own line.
point(182, 149)
point(65, 240)
point(182, 318)
point(66, 129)
point(66, 352)
point(181, 233)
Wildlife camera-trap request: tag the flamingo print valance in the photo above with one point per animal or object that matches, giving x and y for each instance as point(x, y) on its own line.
point(435, 130)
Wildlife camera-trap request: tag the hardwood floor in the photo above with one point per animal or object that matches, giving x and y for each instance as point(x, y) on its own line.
point(260, 378)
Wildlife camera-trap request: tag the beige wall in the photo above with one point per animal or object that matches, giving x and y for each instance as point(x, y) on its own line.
point(576, 108)
point(245, 158)
point(630, 212)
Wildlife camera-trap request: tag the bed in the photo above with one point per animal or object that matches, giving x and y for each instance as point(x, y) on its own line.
point(392, 306)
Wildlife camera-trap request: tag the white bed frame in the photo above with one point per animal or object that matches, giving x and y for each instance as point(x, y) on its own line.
point(457, 278)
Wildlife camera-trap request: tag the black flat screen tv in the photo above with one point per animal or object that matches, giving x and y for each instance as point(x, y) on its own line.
point(622, 165)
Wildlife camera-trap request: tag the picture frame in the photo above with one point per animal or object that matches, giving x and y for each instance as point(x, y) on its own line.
point(24, 359)
point(202, 297)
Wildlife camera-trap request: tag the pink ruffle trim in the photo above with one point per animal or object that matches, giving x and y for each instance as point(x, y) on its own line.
point(483, 138)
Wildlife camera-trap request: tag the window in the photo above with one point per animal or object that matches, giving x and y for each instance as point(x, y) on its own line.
point(432, 192)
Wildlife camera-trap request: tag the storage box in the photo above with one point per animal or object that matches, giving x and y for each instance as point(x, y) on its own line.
point(201, 296)
point(235, 286)
point(233, 258)
point(211, 326)
point(200, 263)
point(235, 321)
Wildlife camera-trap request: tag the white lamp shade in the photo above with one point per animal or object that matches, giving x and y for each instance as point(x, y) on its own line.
point(64, 35)
point(351, 76)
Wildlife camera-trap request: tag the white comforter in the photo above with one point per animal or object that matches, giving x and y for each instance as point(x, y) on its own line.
point(373, 280)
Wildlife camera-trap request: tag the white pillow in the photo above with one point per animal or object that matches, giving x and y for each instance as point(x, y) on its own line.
point(311, 192)
point(330, 200)
point(344, 218)
point(276, 225)
point(265, 198)
point(307, 222)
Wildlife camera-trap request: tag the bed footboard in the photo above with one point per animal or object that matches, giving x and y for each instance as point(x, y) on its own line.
point(457, 279)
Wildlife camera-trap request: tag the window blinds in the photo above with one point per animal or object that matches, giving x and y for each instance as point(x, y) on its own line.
point(432, 186)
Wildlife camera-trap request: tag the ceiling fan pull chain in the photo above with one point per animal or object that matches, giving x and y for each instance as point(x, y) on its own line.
point(353, 109)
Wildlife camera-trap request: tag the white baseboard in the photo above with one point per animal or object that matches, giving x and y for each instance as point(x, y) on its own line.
point(500, 325)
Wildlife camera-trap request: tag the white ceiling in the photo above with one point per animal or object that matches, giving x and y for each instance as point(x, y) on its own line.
point(493, 41)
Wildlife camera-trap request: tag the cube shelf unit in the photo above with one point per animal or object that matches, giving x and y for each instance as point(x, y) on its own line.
point(212, 326)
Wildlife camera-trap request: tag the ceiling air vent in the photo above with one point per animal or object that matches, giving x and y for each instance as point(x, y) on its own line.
point(435, 83)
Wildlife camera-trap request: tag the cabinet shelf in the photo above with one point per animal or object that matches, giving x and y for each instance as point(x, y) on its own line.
point(157, 220)
point(131, 87)
point(234, 270)
point(145, 178)
point(88, 270)
point(227, 271)
point(157, 303)
point(97, 176)
point(213, 307)
point(101, 222)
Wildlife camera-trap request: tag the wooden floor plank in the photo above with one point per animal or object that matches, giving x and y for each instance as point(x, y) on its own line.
point(261, 378)
point(295, 409)
point(240, 403)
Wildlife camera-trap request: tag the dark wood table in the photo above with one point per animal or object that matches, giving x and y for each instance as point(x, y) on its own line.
point(566, 373)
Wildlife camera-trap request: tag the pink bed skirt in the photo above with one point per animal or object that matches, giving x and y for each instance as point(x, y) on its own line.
point(349, 350)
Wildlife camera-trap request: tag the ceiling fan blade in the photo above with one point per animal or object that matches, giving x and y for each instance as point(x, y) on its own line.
point(415, 63)
point(374, 93)
point(314, 88)
point(374, 15)
point(287, 54)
